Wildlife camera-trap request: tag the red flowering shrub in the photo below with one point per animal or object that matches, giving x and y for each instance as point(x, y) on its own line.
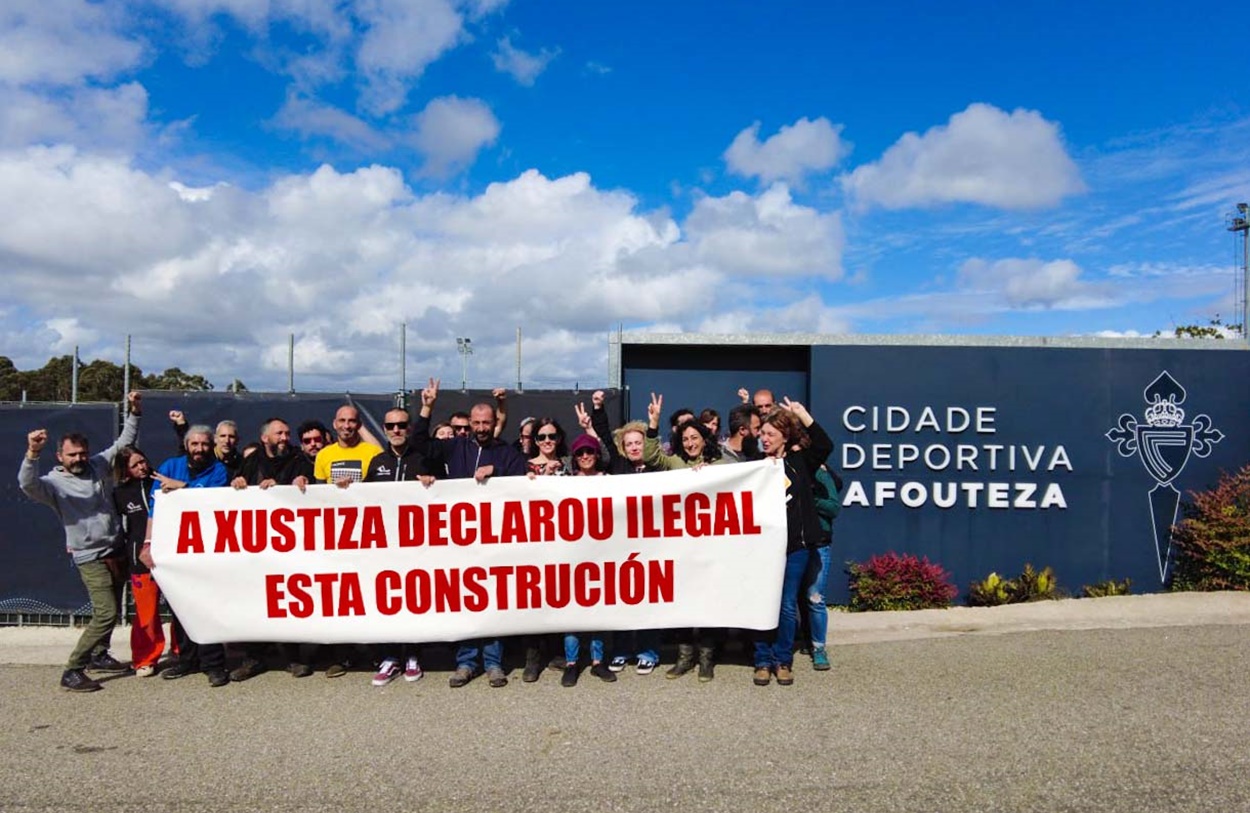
point(1213, 540)
point(893, 581)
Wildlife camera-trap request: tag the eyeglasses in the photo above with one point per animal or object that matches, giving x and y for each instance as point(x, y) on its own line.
point(396, 425)
point(585, 453)
point(460, 430)
point(547, 436)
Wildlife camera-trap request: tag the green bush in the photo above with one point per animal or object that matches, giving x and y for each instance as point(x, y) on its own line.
point(1030, 585)
point(1213, 540)
point(990, 592)
point(1109, 587)
point(895, 581)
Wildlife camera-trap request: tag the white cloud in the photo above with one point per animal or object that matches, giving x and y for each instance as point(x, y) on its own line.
point(794, 152)
point(1031, 283)
point(522, 66)
point(311, 118)
point(63, 42)
point(213, 277)
point(450, 132)
point(982, 155)
point(99, 118)
point(768, 234)
point(402, 37)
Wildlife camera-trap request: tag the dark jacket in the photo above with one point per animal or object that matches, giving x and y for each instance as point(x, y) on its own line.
point(828, 498)
point(617, 462)
point(131, 500)
point(462, 456)
point(389, 466)
point(282, 469)
point(802, 521)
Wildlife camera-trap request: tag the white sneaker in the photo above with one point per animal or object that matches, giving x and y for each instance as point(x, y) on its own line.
point(388, 670)
point(618, 663)
point(145, 671)
point(412, 671)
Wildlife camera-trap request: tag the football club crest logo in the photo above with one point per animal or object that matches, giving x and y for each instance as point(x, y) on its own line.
point(1164, 443)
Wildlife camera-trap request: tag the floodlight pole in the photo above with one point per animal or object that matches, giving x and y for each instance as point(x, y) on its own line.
point(465, 348)
point(1239, 222)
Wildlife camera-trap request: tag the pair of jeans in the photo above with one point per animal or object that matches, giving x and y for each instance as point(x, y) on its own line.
point(780, 650)
point(814, 589)
point(103, 580)
point(491, 651)
point(572, 648)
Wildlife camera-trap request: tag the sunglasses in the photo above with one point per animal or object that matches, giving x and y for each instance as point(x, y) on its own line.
point(460, 430)
point(585, 453)
point(310, 439)
point(548, 436)
point(396, 425)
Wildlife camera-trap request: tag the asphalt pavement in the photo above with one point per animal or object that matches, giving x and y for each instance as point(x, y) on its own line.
point(1135, 703)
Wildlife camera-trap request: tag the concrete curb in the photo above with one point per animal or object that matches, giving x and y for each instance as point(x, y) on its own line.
point(49, 646)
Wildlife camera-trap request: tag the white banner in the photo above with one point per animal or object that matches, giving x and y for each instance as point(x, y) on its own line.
point(397, 562)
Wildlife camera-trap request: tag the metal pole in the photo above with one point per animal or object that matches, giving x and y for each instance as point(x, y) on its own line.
point(518, 359)
point(1245, 278)
point(403, 357)
point(126, 371)
point(290, 364)
point(73, 386)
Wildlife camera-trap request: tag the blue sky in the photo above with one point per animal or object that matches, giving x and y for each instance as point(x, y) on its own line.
point(213, 175)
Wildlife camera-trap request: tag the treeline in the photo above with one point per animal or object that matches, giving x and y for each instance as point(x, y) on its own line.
point(97, 381)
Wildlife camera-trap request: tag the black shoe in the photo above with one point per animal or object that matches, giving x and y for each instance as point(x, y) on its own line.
point(104, 662)
point(601, 671)
point(533, 666)
point(569, 679)
point(707, 671)
point(299, 670)
point(76, 680)
point(250, 668)
point(179, 669)
point(557, 664)
point(217, 678)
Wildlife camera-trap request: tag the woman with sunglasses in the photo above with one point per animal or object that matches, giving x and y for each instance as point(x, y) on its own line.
point(133, 475)
point(552, 457)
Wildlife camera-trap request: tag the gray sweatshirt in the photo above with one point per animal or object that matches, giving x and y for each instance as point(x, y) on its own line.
point(83, 502)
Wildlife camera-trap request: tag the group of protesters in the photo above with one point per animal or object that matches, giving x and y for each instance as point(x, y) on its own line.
point(105, 502)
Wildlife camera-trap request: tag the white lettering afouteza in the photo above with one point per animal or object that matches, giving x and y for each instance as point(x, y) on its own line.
point(914, 494)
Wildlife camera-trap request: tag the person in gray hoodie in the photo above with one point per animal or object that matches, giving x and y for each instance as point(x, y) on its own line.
point(80, 492)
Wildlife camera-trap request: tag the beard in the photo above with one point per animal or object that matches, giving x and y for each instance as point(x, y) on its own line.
point(77, 468)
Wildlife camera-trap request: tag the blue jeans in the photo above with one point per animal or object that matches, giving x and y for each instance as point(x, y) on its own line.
point(646, 645)
point(814, 587)
point(492, 654)
point(572, 647)
point(780, 651)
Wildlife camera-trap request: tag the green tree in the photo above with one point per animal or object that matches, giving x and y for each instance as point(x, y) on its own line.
point(176, 379)
point(1215, 329)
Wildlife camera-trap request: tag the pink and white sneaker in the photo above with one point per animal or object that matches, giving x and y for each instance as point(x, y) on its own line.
point(412, 671)
point(388, 670)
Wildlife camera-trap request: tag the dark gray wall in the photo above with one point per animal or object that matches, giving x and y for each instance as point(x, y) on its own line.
point(38, 575)
point(1056, 398)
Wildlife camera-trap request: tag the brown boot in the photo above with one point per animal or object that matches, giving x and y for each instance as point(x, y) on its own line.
point(706, 667)
point(785, 677)
point(685, 661)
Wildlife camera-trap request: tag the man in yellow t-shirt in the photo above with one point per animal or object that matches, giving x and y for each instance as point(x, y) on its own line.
point(348, 459)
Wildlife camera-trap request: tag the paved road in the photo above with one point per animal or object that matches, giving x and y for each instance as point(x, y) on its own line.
point(1092, 720)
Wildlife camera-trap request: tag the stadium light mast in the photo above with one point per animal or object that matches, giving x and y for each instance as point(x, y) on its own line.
point(1239, 222)
point(465, 346)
